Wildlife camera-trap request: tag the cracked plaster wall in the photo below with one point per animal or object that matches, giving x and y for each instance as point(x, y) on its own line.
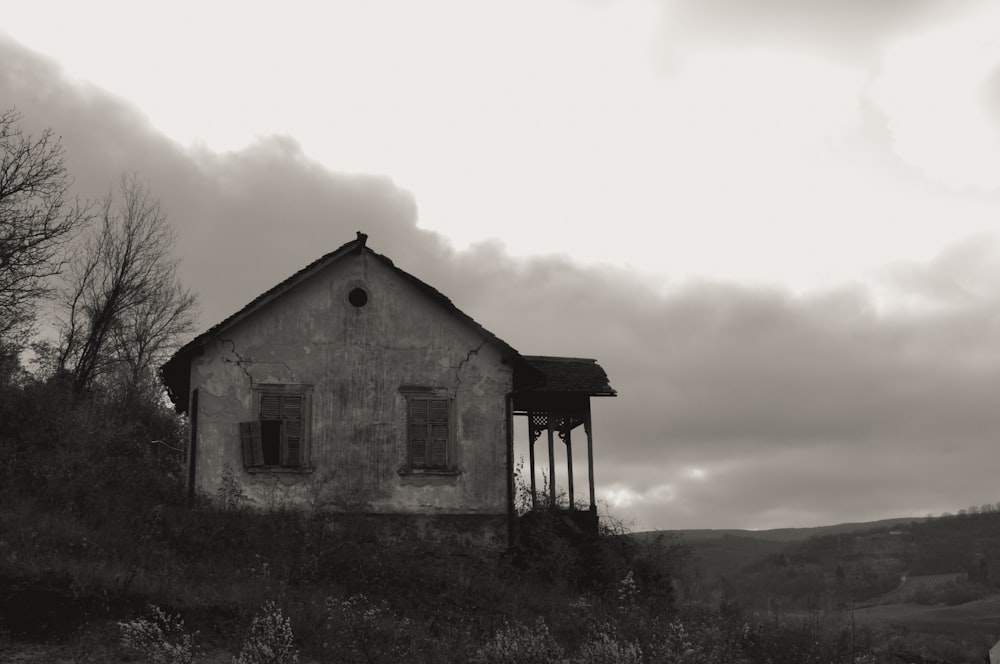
point(357, 359)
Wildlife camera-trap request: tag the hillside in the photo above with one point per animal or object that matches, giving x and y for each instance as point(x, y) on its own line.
point(922, 589)
point(789, 534)
point(945, 559)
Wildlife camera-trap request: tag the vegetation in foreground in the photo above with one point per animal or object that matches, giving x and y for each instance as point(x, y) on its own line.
point(101, 551)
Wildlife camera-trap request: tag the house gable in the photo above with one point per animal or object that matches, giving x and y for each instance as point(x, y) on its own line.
point(176, 371)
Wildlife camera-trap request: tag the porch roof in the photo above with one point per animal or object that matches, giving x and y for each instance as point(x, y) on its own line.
point(569, 375)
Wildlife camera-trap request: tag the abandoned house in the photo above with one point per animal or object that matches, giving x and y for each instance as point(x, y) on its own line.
point(356, 386)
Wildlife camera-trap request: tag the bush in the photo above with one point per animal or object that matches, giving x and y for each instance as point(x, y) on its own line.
point(161, 640)
point(94, 456)
point(362, 630)
point(604, 647)
point(270, 640)
point(518, 643)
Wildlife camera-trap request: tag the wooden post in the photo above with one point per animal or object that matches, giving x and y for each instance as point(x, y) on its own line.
point(590, 458)
point(511, 488)
point(531, 459)
point(552, 467)
point(192, 451)
point(569, 463)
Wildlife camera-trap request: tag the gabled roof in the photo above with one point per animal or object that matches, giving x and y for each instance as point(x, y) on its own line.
point(176, 372)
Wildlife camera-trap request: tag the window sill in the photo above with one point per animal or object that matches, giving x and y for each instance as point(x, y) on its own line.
point(429, 476)
point(268, 470)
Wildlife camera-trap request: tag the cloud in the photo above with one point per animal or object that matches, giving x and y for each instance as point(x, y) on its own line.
point(739, 405)
point(796, 409)
point(851, 29)
point(965, 273)
point(246, 219)
point(928, 68)
point(818, 403)
point(937, 88)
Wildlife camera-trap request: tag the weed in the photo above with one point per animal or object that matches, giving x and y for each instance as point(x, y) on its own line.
point(230, 491)
point(627, 592)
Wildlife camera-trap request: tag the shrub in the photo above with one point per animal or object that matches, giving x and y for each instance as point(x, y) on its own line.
point(547, 550)
point(93, 456)
point(161, 640)
point(604, 647)
point(270, 640)
point(518, 643)
point(360, 630)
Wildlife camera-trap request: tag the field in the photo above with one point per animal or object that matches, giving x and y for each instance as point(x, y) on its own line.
point(981, 616)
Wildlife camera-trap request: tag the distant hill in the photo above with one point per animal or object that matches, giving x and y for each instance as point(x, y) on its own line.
point(789, 534)
point(948, 560)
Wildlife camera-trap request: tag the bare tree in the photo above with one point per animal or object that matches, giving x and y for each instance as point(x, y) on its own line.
point(142, 339)
point(125, 307)
point(37, 218)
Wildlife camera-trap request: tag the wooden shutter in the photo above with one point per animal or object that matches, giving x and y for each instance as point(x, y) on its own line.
point(253, 451)
point(291, 407)
point(292, 430)
point(438, 421)
point(290, 411)
point(291, 443)
point(270, 406)
point(417, 432)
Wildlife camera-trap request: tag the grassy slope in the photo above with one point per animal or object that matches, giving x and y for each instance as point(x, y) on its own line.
point(982, 614)
point(799, 567)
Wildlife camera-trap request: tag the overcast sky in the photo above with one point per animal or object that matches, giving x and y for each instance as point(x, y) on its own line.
point(773, 222)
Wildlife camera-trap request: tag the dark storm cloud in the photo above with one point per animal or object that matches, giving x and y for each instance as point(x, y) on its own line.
point(246, 219)
point(799, 410)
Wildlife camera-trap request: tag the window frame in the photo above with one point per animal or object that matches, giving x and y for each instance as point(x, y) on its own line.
point(415, 394)
point(251, 432)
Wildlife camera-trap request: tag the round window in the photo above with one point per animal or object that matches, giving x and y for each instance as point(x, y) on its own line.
point(358, 297)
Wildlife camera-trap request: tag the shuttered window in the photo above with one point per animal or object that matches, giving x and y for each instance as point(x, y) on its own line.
point(278, 437)
point(428, 432)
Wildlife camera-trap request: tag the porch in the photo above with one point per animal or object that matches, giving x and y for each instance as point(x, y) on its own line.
point(554, 408)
